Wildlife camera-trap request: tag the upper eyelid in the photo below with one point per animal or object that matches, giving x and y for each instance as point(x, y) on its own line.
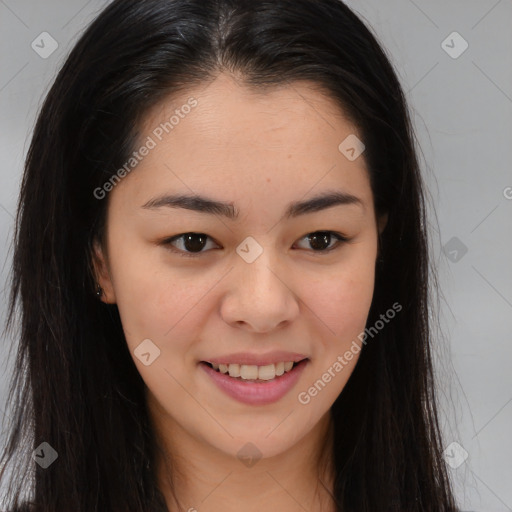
point(177, 237)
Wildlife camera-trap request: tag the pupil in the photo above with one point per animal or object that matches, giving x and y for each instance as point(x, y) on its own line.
point(190, 242)
point(318, 240)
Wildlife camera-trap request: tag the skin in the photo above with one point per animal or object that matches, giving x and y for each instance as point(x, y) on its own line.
point(259, 151)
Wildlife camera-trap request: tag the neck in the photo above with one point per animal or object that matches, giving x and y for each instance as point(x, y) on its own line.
point(194, 476)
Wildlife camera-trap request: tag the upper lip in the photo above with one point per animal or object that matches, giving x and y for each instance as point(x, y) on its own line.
point(258, 359)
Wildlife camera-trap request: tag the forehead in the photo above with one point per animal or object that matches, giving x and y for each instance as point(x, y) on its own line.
point(284, 140)
point(275, 113)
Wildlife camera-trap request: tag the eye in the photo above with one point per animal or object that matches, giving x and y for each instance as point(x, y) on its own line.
point(321, 240)
point(193, 243)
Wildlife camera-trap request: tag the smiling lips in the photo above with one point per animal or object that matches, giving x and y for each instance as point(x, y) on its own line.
point(256, 379)
point(256, 391)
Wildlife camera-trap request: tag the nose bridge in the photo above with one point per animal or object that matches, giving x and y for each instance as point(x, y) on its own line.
point(260, 264)
point(260, 294)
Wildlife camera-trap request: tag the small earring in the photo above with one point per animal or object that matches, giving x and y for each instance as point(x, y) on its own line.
point(99, 290)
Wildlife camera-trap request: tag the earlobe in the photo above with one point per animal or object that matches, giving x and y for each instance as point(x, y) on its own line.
point(104, 288)
point(382, 222)
point(381, 225)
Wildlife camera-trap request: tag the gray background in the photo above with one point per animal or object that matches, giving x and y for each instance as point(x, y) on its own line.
point(462, 110)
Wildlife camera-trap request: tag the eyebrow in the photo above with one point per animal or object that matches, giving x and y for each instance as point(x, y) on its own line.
point(210, 206)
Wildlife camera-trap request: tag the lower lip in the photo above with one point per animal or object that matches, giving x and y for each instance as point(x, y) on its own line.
point(257, 393)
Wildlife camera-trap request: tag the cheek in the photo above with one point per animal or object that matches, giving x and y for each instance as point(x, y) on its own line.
point(152, 300)
point(341, 301)
point(160, 308)
point(163, 310)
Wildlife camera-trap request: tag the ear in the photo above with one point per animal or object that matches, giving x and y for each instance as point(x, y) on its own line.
point(102, 273)
point(382, 222)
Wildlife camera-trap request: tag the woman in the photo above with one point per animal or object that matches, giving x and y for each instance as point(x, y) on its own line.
point(287, 365)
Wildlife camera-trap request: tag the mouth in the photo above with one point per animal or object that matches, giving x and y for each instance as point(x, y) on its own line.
point(254, 373)
point(246, 385)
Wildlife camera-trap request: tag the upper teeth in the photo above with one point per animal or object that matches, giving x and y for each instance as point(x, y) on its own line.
point(253, 372)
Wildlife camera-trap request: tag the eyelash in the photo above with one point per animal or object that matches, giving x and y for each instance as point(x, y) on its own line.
point(167, 242)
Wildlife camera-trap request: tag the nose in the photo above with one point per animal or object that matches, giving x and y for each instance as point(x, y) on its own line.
point(260, 296)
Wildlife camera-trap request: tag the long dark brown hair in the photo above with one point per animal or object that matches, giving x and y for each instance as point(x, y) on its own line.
point(75, 385)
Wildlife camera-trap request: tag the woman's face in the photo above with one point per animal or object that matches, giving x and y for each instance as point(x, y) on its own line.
point(250, 288)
